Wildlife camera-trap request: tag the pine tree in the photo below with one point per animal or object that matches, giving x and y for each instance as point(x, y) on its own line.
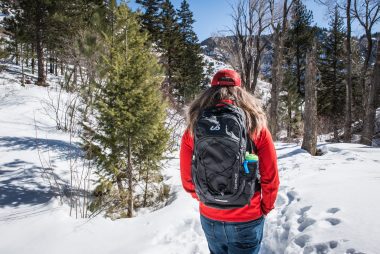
point(173, 32)
point(190, 66)
point(150, 18)
point(130, 116)
point(4, 54)
point(169, 44)
point(300, 37)
point(298, 41)
point(46, 25)
point(331, 94)
point(290, 106)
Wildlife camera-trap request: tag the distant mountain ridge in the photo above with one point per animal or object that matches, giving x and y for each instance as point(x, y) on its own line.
point(211, 47)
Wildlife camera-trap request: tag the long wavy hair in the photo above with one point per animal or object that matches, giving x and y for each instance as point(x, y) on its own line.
point(256, 119)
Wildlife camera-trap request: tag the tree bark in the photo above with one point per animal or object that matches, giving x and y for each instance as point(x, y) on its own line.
point(146, 188)
point(17, 53)
point(61, 65)
point(277, 79)
point(348, 108)
point(130, 180)
point(373, 93)
point(277, 71)
point(22, 67)
point(309, 142)
point(56, 66)
point(41, 81)
point(33, 60)
point(365, 85)
point(51, 63)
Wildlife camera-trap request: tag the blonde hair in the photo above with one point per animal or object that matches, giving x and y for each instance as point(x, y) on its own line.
point(256, 119)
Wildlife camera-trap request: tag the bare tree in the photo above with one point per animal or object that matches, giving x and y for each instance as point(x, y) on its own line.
point(367, 13)
point(250, 21)
point(309, 142)
point(373, 94)
point(279, 26)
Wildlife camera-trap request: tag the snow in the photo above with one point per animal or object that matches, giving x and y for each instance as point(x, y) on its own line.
point(216, 64)
point(326, 200)
point(326, 204)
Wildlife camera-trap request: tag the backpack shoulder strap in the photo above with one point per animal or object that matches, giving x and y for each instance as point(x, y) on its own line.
point(251, 146)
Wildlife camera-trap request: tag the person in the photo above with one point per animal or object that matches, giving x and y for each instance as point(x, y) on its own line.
point(236, 230)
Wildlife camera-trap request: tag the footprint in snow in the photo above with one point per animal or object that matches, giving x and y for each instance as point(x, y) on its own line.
point(333, 221)
point(353, 251)
point(333, 210)
point(333, 244)
point(306, 223)
point(285, 233)
point(304, 209)
point(292, 195)
point(320, 248)
point(302, 240)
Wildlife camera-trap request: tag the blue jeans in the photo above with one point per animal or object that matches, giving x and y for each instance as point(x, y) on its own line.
point(233, 237)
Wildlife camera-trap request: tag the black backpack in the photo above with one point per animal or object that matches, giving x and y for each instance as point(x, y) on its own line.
point(220, 143)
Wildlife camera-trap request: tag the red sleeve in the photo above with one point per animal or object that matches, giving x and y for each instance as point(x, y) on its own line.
point(185, 157)
point(268, 170)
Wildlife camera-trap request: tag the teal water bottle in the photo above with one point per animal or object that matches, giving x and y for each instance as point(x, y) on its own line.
point(249, 158)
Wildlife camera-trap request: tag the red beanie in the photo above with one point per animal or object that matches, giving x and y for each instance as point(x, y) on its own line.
point(226, 77)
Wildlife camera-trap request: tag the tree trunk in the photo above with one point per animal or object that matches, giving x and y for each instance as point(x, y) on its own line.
point(256, 65)
point(309, 142)
point(289, 127)
point(373, 93)
point(51, 63)
point(348, 108)
point(277, 71)
point(277, 78)
point(41, 81)
point(27, 56)
point(17, 53)
point(33, 60)
point(365, 85)
point(46, 68)
point(130, 180)
point(56, 66)
point(61, 67)
point(22, 68)
point(146, 188)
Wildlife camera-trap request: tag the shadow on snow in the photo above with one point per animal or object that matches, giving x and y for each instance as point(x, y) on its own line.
point(18, 187)
point(28, 143)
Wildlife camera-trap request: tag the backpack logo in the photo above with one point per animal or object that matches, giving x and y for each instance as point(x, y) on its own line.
point(215, 128)
point(236, 182)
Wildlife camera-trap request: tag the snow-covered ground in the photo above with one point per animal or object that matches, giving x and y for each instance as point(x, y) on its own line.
point(326, 204)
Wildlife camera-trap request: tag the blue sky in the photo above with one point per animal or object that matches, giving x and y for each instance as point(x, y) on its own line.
point(213, 16)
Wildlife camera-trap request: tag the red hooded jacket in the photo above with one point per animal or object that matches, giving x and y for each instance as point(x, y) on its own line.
point(262, 201)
